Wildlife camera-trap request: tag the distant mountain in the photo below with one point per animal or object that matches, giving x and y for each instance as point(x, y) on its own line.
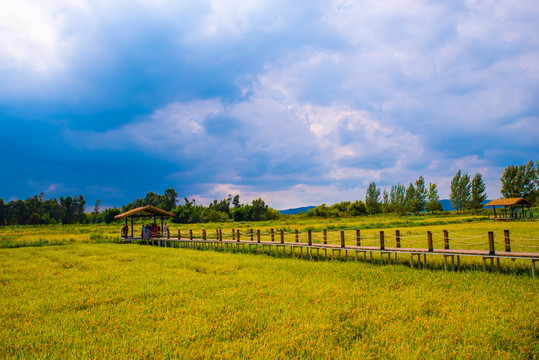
point(296, 211)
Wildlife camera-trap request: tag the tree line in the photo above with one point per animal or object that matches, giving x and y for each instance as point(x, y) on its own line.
point(466, 194)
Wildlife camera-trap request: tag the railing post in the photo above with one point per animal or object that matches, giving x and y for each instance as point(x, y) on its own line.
point(191, 234)
point(325, 236)
point(342, 238)
point(282, 236)
point(220, 235)
point(309, 235)
point(358, 238)
point(233, 234)
point(258, 235)
point(382, 244)
point(252, 235)
point(297, 235)
point(491, 243)
point(168, 234)
point(507, 241)
point(238, 235)
point(179, 235)
point(204, 235)
point(446, 239)
point(398, 238)
point(272, 235)
point(429, 240)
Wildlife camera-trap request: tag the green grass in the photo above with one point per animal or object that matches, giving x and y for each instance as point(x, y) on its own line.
point(129, 301)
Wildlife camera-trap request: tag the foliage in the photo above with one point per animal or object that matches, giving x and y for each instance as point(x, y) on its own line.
point(397, 199)
point(460, 191)
point(521, 181)
point(372, 199)
point(478, 194)
point(433, 200)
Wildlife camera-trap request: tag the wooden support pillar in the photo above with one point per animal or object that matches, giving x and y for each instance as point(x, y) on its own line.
point(342, 238)
point(358, 239)
point(282, 236)
point(446, 239)
point(309, 237)
point(204, 235)
point(131, 228)
point(179, 234)
point(252, 235)
point(398, 238)
point(429, 241)
point(325, 236)
point(382, 244)
point(238, 235)
point(507, 241)
point(191, 234)
point(491, 243)
point(220, 235)
point(258, 236)
point(233, 234)
point(272, 235)
point(297, 235)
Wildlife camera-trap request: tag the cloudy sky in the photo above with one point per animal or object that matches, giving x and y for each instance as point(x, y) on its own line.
point(297, 102)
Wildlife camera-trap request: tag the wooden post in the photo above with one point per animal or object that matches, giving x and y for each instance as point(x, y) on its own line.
point(446, 239)
point(382, 244)
point(168, 234)
point(358, 239)
point(252, 235)
point(191, 234)
point(204, 235)
point(297, 235)
point(507, 241)
point(342, 238)
point(491, 243)
point(398, 238)
point(233, 234)
point(272, 235)
point(325, 236)
point(309, 235)
point(429, 240)
point(282, 236)
point(179, 235)
point(238, 235)
point(131, 228)
point(220, 235)
point(258, 235)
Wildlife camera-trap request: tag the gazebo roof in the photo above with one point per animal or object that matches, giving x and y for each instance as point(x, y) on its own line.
point(145, 211)
point(508, 202)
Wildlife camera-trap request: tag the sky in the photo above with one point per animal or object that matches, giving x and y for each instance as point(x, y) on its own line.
point(297, 102)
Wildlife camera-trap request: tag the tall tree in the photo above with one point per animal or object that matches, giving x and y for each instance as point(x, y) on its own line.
point(420, 195)
point(170, 199)
point(372, 199)
point(519, 181)
point(410, 199)
point(96, 210)
point(433, 200)
point(396, 198)
point(460, 191)
point(385, 201)
point(478, 194)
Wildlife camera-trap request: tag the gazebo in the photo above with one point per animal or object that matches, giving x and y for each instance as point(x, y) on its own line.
point(144, 212)
point(510, 202)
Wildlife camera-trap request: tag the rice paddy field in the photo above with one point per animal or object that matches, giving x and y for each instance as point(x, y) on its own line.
point(90, 296)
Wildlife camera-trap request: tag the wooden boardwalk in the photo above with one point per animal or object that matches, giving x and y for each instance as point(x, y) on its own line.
point(310, 250)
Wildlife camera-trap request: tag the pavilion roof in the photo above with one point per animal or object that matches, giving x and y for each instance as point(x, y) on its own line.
point(508, 202)
point(145, 211)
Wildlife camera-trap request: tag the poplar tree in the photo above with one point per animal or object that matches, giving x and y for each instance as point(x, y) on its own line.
point(478, 194)
point(460, 191)
point(396, 198)
point(433, 200)
point(420, 195)
point(520, 181)
point(372, 199)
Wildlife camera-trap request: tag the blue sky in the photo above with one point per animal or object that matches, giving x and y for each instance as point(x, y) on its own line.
point(300, 103)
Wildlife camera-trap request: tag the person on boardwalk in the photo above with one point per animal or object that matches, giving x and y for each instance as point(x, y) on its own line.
point(143, 231)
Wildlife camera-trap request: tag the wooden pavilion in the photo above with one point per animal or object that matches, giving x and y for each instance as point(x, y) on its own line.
point(510, 202)
point(144, 212)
